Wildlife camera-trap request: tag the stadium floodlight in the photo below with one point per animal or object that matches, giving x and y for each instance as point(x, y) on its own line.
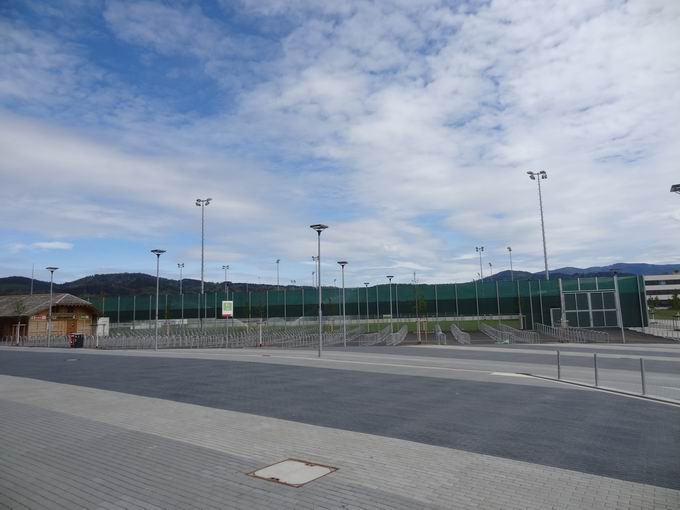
point(343, 263)
point(538, 177)
point(202, 203)
point(277, 273)
point(51, 269)
point(180, 265)
point(510, 252)
point(675, 188)
point(226, 278)
point(158, 254)
point(480, 250)
point(319, 227)
point(367, 312)
point(389, 277)
point(491, 269)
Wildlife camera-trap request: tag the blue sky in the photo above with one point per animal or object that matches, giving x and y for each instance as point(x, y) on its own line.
point(407, 126)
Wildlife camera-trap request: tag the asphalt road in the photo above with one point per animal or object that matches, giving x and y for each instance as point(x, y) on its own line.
point(590, 432)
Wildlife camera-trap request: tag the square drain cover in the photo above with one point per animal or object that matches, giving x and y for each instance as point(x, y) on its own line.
point(295, 473)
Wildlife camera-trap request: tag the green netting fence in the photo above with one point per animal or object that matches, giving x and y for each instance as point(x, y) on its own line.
point(532, 299)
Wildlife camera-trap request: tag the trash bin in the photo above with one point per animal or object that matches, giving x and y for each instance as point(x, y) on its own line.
point(76, 340)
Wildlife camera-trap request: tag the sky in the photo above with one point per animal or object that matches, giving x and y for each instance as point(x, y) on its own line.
point(406, 126)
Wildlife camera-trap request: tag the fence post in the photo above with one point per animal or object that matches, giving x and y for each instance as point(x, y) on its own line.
point(642, 376)
point(619, 315)
point(595, 367)
point(559, 366)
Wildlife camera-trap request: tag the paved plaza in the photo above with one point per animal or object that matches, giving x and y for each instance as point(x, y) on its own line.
point(406, 427)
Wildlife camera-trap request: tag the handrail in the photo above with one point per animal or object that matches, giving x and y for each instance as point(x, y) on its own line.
point(569, 334)
point(461, 336)
point(520, 336)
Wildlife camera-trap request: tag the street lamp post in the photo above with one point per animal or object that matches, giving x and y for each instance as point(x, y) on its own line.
point(538, 177)
point(49, 319)
point(491, 269)
point(389, 277)
point(158, 254)
point(277, 273)
point(319, 228)
point(510, 253)
point(315, 272)
point(202, 203)
point(480, 249)
point(343, 263)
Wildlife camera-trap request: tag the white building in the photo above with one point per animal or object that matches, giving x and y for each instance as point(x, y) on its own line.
point(662, 287)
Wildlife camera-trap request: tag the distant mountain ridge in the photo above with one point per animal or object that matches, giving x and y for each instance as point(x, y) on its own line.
point(119, 284)
point(124, 284)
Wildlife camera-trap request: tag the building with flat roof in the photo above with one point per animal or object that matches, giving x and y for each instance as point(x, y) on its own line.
point(27, 315)
point(662, 287)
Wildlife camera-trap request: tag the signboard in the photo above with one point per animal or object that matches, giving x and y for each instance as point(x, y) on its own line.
point(227, 309)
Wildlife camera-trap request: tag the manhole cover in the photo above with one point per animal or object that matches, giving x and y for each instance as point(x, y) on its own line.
point(295, 473)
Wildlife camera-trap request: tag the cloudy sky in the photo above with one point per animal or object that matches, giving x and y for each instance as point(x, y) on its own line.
point(406, 126)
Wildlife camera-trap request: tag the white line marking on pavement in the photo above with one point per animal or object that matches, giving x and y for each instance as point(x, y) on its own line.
point(509, 374)
point(379, 364)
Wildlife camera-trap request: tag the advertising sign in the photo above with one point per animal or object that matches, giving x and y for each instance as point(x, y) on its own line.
point(227, 309)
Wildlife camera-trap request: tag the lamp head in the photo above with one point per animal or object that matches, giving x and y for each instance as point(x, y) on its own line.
point(509, 249)
point(343, 263)
point(158, 253)
point(51, 269)
point(278, 260)
point(318, 227)
point(675, 188)
point(389, 277)
point(366, 283)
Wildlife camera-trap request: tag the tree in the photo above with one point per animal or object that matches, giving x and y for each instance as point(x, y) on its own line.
point(19, 310)
point(675, 301)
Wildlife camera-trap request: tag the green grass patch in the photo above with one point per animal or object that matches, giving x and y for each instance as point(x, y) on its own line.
point(663, 314)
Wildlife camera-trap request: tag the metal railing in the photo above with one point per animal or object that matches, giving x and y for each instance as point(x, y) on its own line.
point(518, 336)
point(576, 335)
point(498, 336)
point(398, 337)
point(461, 336)
point(439, 335)
point(617, 384)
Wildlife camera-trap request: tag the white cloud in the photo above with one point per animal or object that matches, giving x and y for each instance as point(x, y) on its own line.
point(408, 126)
point(52, 245)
